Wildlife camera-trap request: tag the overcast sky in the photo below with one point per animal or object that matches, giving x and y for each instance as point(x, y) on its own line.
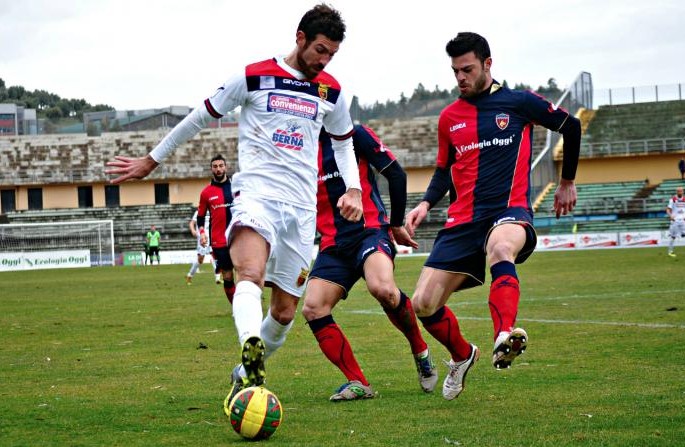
point(139, 54)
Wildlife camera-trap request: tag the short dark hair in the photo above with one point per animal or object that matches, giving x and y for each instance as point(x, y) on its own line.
point(466, 42)
point(218, 157)
point(322, 19)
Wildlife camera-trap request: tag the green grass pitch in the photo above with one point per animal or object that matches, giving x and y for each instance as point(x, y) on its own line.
point(131, 356)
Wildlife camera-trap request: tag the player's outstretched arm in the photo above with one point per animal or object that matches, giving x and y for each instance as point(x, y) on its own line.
point(136, 168)
point(565, 197)
point(127, 168)
point(416, 216)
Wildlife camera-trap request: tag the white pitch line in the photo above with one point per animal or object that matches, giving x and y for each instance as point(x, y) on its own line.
point(675, 292)
point(536, 320)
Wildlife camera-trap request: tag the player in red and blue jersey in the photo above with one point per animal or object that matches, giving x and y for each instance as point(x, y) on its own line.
point(216, 199)
point(484, 161)
point(352, 250)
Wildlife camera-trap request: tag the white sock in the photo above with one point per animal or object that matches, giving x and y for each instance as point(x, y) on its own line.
point(273, 334)
point(193, 269)
point(247, 310)
point(671, 245)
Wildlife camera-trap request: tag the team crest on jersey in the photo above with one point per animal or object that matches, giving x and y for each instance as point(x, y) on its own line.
point(289, 138)
point(302, 277)
point(502, 120)
point(292, 105)
point(323, 91)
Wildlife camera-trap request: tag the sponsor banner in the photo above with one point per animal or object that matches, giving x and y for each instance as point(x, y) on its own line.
point(176, 257)
point(37, 260)
point(634, 238)
point(594, 240)
point(666, 238)
point(403, 249)
point(133, 258)
point(556, 241)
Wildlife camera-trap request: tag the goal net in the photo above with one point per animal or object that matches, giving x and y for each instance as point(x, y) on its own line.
point(27, 246)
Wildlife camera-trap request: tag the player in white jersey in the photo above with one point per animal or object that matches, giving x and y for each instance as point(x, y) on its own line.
point(284, 102)
point(676, 213)
point(202, 251)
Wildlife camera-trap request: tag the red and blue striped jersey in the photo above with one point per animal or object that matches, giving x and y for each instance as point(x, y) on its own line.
point(486, 143)
point(216, 198)
point(370, 152)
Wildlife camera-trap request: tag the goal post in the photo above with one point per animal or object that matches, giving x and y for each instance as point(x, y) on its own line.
point(26, 246)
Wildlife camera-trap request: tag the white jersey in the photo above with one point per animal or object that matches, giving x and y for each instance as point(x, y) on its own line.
point(677, 206)
point(280, 120)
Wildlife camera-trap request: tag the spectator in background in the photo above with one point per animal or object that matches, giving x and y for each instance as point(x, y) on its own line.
point(152, 238)
point(681, 167)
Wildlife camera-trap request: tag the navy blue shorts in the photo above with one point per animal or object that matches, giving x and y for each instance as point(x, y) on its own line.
point(345, 265)
point(223, 259)
point(461, 249)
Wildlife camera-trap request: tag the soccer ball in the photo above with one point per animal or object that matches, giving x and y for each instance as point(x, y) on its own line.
point(255, 413)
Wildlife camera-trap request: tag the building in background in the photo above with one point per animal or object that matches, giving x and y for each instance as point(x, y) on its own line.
point(16, 120)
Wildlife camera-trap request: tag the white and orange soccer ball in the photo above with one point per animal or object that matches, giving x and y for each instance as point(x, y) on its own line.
point(255, 413)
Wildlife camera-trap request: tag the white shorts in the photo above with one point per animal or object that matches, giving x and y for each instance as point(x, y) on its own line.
point(203, 251)
point(290, 232)
point(677, 228)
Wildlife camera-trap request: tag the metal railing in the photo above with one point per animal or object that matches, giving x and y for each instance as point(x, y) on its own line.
point(610, 206)
point(578, 95)
point(637, 94)
point(632, 147)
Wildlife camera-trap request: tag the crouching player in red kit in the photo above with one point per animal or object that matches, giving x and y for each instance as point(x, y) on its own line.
point(365, 249)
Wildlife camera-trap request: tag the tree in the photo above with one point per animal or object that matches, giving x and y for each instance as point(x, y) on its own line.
point(53, 113)
point(521, 86)
point(551, 91)
point(15, 92)
point(420, 93)
point(92, 129)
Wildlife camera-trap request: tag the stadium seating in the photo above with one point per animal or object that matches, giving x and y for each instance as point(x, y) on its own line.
point(659, 198)
point(597, 198)
point(642, 128)
point(80, 158)
point(617, 206)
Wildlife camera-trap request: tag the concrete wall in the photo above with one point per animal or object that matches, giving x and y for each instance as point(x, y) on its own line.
point(656, 168)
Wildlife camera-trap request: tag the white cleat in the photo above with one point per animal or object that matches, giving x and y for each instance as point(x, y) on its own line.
point(454, 381)
point(508, 346)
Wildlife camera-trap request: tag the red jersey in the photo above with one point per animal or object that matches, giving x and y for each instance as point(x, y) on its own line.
point(217, 199)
